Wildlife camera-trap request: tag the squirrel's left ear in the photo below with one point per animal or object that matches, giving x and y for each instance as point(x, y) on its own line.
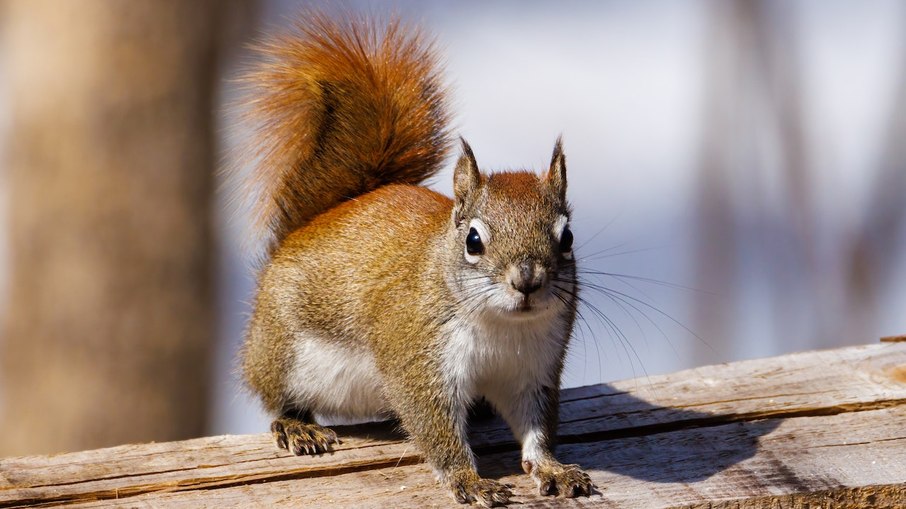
point(466, 179)
point(556, 175)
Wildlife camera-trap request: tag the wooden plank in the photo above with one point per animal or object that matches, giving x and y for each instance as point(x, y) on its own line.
point(831, 381)
point(771, 461)
point(855, 379)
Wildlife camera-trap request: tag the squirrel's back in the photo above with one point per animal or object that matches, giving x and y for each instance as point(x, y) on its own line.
point(340, 108)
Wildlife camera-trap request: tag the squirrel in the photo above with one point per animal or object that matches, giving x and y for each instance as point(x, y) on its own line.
point(380, 297)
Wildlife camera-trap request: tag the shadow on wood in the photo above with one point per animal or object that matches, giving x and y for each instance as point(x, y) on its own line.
point(683, 458)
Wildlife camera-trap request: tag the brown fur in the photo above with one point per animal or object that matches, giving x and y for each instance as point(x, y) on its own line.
point(368, 264)
point(327, 270)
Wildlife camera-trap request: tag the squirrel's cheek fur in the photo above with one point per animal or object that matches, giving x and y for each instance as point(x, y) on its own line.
point(368, 305)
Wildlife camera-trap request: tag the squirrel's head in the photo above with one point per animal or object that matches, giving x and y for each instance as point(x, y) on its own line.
point(514, 244)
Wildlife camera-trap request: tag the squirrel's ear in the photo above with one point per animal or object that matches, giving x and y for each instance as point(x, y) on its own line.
point(466, 177)
point(556, 175)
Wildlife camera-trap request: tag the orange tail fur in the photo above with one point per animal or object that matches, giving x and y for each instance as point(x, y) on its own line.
point(338, 108)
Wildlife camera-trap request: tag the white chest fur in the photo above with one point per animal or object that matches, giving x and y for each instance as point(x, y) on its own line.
point(496, 355)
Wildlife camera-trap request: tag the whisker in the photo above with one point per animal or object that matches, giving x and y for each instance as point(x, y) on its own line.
point(591, 332)
point(618, 299)
point(599, 232)
point(600, 254)
point(617, 332)
point(659, 282)
point(653, 308)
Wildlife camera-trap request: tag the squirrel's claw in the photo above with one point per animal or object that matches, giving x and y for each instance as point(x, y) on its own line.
point(468, 487)
point(302, 438)
point(565, 480)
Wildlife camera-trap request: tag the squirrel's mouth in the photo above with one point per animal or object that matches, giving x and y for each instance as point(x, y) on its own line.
point(528, 306)
point(519, 306)
point(524, 309)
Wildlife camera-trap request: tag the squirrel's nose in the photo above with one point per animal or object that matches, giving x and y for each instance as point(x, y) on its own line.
point(526, 279)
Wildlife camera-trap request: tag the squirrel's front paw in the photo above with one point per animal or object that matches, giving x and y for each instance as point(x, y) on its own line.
point(468, 487)
point(555, 478)
point(301, 437)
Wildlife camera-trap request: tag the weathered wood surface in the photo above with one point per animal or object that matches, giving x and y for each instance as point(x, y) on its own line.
point(815, 429)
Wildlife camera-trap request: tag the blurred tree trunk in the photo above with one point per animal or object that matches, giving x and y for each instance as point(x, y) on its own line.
point(109, 329)
point(728, 81)
point(754, 95)
point(874, 251)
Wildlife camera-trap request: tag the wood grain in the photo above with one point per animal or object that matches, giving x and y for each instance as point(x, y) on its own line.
point(674, 469)
point(773, 431)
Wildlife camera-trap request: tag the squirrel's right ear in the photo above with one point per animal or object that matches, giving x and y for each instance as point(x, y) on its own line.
point(556, 175)
point(466, 177)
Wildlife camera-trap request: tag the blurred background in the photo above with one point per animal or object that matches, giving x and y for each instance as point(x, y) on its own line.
point(737, 170)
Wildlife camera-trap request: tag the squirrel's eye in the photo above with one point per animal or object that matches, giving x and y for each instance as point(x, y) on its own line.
point(566, 240)
point(473, 243)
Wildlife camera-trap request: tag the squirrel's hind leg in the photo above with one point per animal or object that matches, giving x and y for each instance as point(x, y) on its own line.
point(296, 431)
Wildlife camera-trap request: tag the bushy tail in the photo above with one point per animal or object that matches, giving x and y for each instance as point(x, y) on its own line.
point(339, 108)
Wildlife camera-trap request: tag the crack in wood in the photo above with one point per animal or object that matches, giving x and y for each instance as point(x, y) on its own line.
point(212, 482)
point(755, 398)
point(851, 444)
point(187, 469)
point(717, 420)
